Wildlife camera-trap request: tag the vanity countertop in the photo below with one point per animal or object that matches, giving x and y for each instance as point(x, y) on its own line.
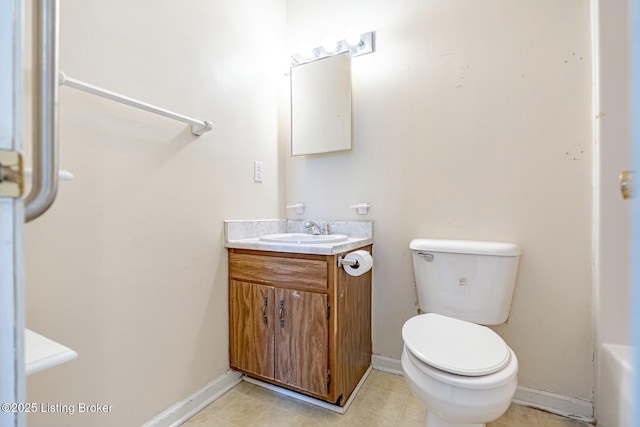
point(318, 249)
point(246, 235)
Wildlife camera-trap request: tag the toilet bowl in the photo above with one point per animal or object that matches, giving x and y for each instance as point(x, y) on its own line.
point(463, 372)
point(478, 391)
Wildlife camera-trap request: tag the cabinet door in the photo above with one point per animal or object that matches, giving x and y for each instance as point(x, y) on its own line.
point(251, 328)
point(301, 340)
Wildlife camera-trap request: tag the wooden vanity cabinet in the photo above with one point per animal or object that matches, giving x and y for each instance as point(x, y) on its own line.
point(299, 321)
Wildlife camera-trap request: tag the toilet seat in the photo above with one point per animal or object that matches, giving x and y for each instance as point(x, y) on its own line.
point(455, 346)
point(497, 379)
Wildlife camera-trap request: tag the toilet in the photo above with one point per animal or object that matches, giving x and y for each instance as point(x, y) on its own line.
point(463, 372)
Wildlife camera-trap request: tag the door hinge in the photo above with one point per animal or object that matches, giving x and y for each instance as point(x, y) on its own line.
point(626, 184)
point(328, 378)
point(328, 310)
point(11, 180)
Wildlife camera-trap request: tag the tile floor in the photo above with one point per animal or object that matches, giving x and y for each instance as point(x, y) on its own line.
point(384, 400)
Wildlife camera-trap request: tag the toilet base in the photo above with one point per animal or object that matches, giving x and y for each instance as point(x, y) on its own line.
point(435, 421)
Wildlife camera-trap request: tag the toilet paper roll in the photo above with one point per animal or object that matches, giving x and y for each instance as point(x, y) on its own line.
point(365, 262)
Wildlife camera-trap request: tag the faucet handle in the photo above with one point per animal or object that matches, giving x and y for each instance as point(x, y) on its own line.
point(326, 229)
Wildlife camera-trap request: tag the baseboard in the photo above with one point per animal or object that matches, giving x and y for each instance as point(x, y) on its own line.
point(577, 409)
point(182, 411)
point(386, 364)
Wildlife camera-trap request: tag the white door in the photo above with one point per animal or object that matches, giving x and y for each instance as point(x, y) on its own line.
point(12, 381)
point(634, 43)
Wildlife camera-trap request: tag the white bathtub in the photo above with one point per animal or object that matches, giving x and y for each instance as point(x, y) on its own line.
point(613, 402)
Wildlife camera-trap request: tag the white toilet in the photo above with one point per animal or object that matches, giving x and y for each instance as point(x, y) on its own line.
point(463, 372)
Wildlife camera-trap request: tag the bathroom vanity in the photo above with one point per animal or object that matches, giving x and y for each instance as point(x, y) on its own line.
point(296, 319)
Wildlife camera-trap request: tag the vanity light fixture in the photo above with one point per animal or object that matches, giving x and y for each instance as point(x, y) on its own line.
point(355, 42)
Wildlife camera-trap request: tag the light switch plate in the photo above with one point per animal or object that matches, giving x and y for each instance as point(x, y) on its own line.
point(257, 171)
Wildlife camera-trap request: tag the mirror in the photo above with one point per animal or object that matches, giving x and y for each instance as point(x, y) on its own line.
point(321, 106)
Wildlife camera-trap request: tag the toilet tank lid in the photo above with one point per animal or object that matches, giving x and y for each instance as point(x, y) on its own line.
point(466, 247)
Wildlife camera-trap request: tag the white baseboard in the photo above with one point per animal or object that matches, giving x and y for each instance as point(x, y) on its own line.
point(386, 364)
point(577, 409)
point(182, 411)
point(570, 407)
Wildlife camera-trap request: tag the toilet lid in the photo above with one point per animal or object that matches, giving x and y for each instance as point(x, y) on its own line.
point(455, 346)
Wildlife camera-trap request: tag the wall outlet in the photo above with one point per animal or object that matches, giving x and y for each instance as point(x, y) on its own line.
point(257, 171)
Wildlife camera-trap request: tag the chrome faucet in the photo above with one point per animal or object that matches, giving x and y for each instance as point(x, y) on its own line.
point(316, 229)
point(312, 227)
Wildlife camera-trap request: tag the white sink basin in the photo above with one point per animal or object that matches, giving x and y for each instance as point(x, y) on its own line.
point(304, 239)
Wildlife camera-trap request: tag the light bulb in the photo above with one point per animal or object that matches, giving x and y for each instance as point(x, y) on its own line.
point(306, 51)
point(329, 45)
point(353, 37)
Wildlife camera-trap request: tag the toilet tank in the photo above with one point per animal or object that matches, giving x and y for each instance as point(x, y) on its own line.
point(466, 280)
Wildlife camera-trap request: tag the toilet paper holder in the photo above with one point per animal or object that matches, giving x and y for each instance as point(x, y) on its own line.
point(350, 262)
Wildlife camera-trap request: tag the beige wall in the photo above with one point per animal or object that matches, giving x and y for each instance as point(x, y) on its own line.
point(128, 267)
point(472, 121)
